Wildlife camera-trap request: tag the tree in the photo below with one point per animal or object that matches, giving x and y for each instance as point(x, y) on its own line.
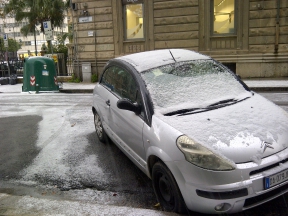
point(36, 12)
point(60, 46)
point(13, 45)
point(68, 34)
point(2, 3)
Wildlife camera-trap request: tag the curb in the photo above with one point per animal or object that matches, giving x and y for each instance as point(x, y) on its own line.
point(71, 91)
point(268, 89)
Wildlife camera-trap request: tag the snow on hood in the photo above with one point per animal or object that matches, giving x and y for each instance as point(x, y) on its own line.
point(237, 131)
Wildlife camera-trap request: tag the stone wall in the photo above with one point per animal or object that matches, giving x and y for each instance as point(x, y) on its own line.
point(176, 24)
point(259, 49)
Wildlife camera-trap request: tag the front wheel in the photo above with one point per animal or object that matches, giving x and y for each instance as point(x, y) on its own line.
point(99, 128)
point(166, 189)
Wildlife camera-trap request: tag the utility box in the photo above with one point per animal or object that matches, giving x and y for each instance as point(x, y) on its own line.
point(39, 75)
point(86, 71)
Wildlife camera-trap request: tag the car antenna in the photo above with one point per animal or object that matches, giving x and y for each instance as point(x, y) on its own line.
point(172, 55)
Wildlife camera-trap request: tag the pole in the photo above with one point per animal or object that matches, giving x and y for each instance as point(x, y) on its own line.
point(95, 38)
point(51, 47)
point(35, 41)
point(8, 65)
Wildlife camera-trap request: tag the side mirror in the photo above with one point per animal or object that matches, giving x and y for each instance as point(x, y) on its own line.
point(126, 104)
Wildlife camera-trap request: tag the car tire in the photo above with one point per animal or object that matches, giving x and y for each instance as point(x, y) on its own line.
point(166, 189)
point(102, 136)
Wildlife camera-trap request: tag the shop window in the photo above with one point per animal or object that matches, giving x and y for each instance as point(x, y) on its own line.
point(133, 11)
point(224, 17)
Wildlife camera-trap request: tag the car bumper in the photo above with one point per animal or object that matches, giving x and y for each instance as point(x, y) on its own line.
point(217, 192)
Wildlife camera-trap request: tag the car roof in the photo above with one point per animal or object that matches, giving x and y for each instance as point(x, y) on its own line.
point(151, 59)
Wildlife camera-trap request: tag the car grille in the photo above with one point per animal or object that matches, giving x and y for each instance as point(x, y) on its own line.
point(253, 201)
point(268, 167)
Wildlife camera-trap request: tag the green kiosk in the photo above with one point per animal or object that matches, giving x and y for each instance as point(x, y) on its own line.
point(39, 75)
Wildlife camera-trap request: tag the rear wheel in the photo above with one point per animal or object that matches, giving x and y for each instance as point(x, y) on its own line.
point(166, 189)
point(99, 128)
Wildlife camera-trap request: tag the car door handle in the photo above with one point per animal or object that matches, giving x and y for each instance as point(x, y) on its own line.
point(108, 102)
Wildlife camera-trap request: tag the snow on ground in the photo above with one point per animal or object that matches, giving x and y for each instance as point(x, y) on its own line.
point(68, 85)
point(33, 206)
point(56, 158)
point(67, 159)
point(266, 83)
point(62, 151)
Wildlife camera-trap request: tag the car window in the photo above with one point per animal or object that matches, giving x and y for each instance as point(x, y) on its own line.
point(108, 78)
point(122, 83)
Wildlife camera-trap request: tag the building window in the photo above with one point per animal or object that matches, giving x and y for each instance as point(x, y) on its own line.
point(27, 43)
point(224, 19)
point(133, 11)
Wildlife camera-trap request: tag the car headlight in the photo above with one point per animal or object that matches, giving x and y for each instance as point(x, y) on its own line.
point(201, 156)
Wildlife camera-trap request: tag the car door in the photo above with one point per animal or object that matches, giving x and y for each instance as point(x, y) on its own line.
point(125, 125)
point(104, 91)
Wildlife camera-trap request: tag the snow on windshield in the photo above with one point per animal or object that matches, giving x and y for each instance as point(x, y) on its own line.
point(192, 84)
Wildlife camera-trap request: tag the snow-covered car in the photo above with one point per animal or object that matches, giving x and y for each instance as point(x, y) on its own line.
point(205, 139)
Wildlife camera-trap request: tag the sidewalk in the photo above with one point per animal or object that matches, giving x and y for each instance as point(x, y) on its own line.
point(257, 85)
point(266, 84)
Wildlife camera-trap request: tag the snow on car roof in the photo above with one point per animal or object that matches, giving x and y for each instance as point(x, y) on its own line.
point(150, 59)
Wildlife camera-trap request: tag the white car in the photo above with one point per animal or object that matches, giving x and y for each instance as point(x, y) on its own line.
point(208, 143)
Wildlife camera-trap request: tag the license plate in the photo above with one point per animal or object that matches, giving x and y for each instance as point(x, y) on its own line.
point(275, 179)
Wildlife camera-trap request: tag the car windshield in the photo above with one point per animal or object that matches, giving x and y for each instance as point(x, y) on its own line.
point(192, 85)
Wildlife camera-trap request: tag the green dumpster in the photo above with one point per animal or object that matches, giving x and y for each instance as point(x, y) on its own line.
point(39, 75)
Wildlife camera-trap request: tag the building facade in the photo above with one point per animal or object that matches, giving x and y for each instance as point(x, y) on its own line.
point(12, 28)
point(249, 36)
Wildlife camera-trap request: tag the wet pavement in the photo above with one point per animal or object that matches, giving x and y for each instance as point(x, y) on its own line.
point(83, 195)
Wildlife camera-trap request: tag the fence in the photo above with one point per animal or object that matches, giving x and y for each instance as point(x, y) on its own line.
point(13, 66)
point(64, 66)
point(70, 66)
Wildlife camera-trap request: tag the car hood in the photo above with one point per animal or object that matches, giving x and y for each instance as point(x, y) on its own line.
point(243, 132)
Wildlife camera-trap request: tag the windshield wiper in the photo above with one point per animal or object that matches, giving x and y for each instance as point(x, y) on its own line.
point(226, 102)
point(192, 110)
point(217, 105)
point(181, 111)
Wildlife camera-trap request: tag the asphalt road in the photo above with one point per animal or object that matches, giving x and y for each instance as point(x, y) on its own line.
point(17, 145)
point(48, 141)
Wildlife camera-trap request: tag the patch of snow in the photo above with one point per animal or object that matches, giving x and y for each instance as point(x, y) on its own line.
point(151, 59)
point(236, 128)
point(34, 206)
point(188, 88)
point(58, 156)
point(257, 158)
